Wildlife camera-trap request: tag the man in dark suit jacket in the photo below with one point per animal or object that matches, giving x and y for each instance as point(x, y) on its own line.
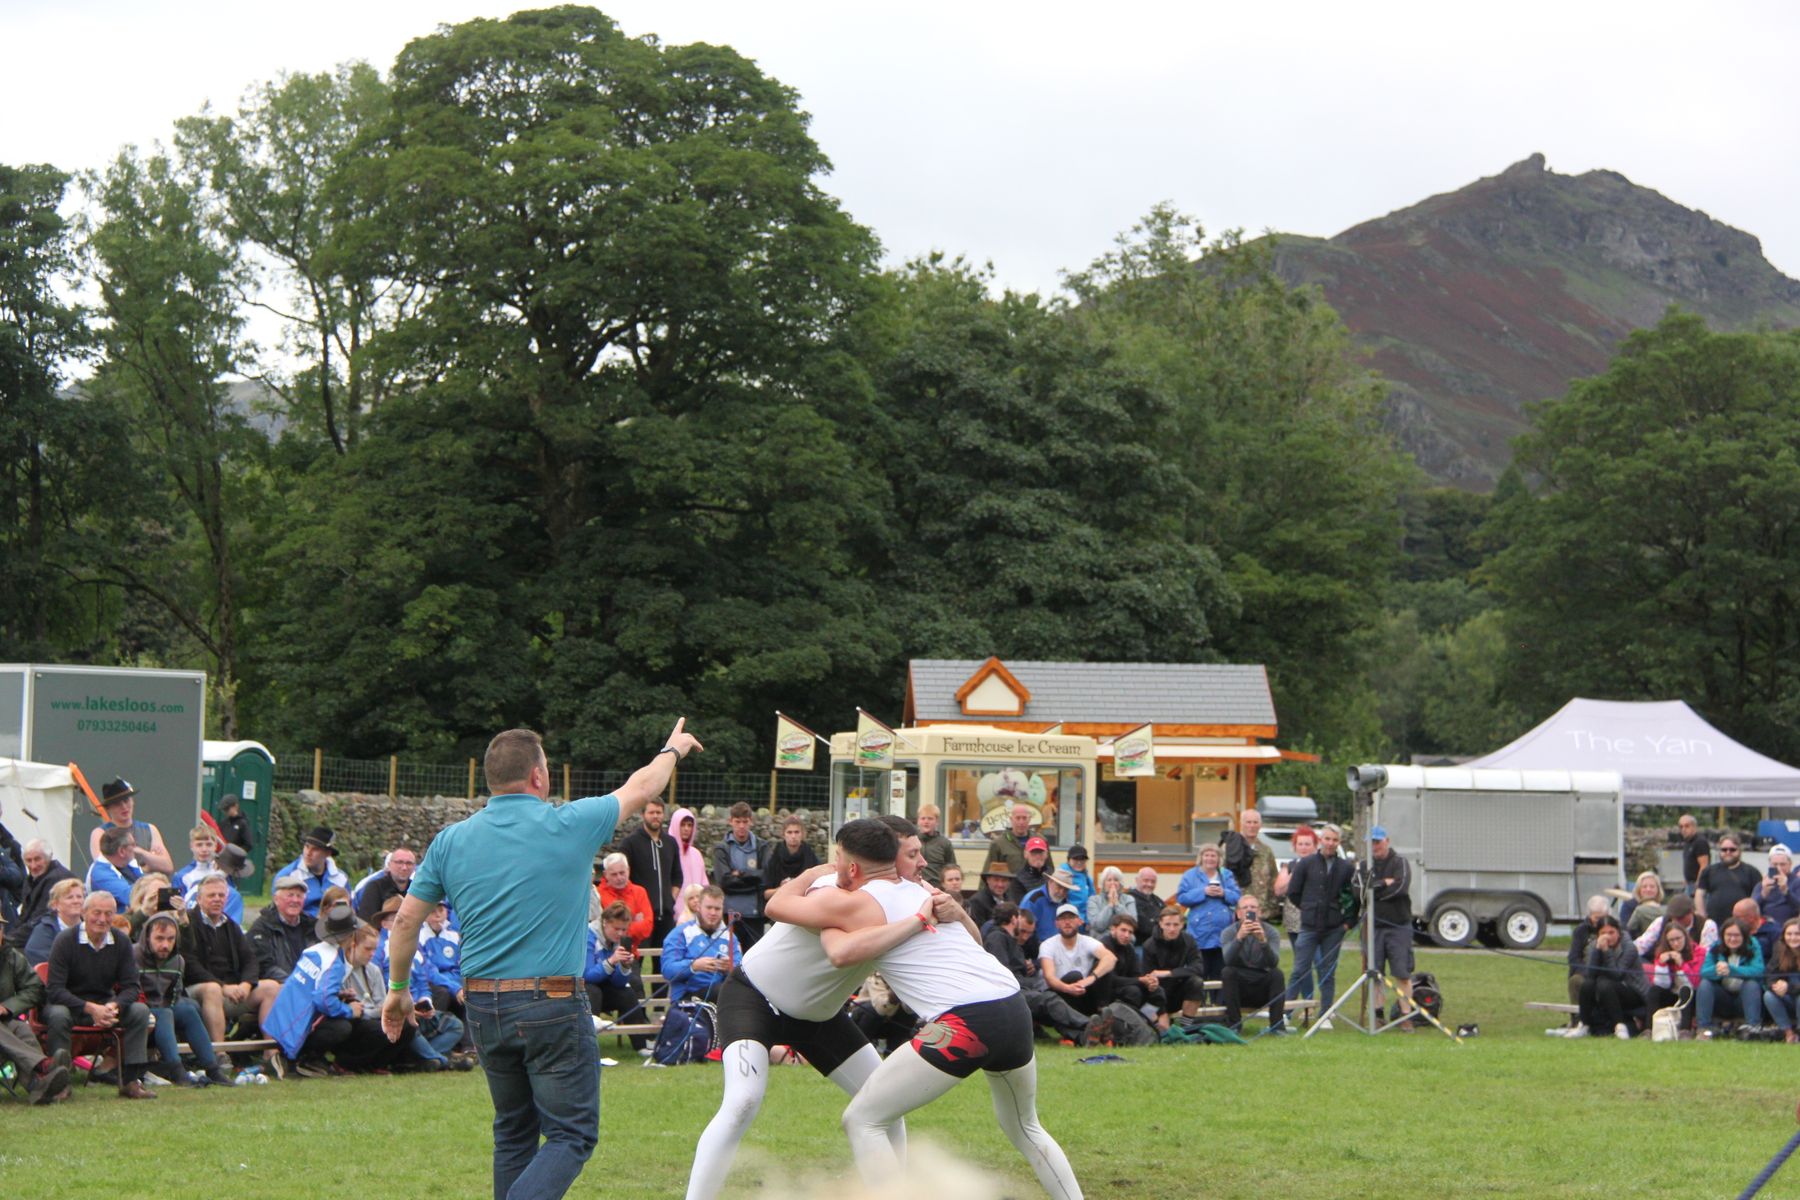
point(655, 867)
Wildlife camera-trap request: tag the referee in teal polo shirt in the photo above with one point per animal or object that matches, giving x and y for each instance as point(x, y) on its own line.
point(518, 875)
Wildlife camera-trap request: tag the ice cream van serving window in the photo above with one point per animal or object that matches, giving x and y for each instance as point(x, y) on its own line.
point(977, 798)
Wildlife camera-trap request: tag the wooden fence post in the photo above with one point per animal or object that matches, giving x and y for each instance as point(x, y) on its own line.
point(393, 776)
point(567, 794)
point(773, 776)
point(471, 779)
point(318, 767)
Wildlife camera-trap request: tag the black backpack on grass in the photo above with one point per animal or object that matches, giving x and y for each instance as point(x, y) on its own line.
point(1426, 995)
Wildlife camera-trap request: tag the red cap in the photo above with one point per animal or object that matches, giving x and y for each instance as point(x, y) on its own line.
point(1036, 843)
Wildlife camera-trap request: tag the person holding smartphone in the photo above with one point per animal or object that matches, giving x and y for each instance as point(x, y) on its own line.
point(612, 977)
point(1775, 897)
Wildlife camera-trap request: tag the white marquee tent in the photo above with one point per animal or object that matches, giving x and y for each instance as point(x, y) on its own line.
point(37, 800)
point(1663, 749)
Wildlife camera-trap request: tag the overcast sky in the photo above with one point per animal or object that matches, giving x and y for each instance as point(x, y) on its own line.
point(1030, 134)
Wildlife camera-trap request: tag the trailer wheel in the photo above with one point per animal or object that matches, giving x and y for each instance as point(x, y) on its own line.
point(1452, 927)
point(1522, 927)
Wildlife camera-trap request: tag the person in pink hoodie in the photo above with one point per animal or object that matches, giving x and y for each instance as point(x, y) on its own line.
point(693, 863)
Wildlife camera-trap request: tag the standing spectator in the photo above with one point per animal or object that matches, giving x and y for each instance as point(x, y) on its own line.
point(737, 864)
point(1316, 886)
point(236, 826)
point(1172, 977)
point(1722, 884)
point(1645, 905)
point(1696, 854)
point(1077, 965)
point(650, 854)
point(165, 975)
point(936, 848)
point(1304, 842)
point(1731, 977)
point(791, 859)
point(1674, 961)
point(21, 991)
point(316, 866)
point(94, 981)
point(1251, 976)
point(686, 826)
point(1257, 860)
point(1393, 948)
point(12, 875)
point(42, 872)
point(1613, 986)
point(281, 932)
point(615, 887)
point(1004, 938)
point(395, 877)
point(221, 948)
point(1111, 900)
point(1235, 853)
point(1076, 864)
point(1781, 985)
point(697, 955)
point(65, 913)
point(1775, 895)
point(1149, 904)
point(996, 885)
point(1210, 893)
point(116, 869)
point(118, 800)
point(1121, 942)
point(1036, 870)
point(1007, 846)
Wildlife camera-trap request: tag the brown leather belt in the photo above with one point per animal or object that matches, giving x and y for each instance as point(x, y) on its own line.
point(551, 985)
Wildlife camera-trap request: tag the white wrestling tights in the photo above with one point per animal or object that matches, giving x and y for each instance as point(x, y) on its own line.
point(746, 1069)
point(906, 1081)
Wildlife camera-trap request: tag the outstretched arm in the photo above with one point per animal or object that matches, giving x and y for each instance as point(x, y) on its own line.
point(826, 908)
point(649, 780)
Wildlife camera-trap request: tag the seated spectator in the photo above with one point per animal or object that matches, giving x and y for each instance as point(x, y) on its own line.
point(1043, 902)
point(951, 881)
point(1680, 911)
point(1003, 938)
point(435, 1041)
point(94, 981)
point(1781, 983)
point(394, 878)
point(442, 946)
point(1210, 893)
point(1034, 874)
point(65, 913)
point(145, 898)
point(687, 903)
point(996, 883)
point(1121, 942)
point(1674, 960)
point(1645, 905)
point(1612, 998)
point(697, 954)
point(1111, 900)
point(1171, 978)
point(317, 867)
point(1076, 863)
point(115, 870)
point(319, 1012)
point(1731, 979)
point(1774, 896)
point(42, 872)
point(614, 984)
point(281, 932)
point(1251, 976)
point(791, 859)
point(223, 951)
point(164, 974)
point(615, 887)
point(46, 1078)
point(1077, 965)
point(1746, 913)
point(1149, 904)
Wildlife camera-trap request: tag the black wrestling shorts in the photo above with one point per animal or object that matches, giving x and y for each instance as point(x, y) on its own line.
point(745, 1014)
point(994, 1035)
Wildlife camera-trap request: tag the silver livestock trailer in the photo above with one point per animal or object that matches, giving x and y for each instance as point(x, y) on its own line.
point(1500, 854)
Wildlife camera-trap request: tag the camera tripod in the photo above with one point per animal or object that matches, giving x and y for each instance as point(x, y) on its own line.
point(1364, 782)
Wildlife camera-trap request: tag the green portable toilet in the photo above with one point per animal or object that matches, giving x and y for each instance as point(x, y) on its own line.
point(245, 770)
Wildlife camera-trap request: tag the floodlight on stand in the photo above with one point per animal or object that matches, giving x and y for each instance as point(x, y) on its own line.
point(1366, 778)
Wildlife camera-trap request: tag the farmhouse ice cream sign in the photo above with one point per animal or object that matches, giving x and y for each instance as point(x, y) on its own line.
point(793, 745)
point(874, 743)
point(1134, 753)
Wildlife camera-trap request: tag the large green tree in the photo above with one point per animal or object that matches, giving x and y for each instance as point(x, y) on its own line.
point(1659, 555)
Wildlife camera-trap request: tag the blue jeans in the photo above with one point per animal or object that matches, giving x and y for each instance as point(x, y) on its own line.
point(1779, 1008)
point(438, 1035)
point(1746, 1002)
point(543, 1070)
point(183, 1019)
point(1321, 949)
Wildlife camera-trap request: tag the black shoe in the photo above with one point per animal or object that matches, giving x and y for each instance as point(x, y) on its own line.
point(47, 1086)
point(109, 1078)
point(219, 1075)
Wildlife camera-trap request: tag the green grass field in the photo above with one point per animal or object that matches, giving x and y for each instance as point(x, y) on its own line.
point(1510, 1113)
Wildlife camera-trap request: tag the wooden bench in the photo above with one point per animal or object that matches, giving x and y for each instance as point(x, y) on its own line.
point(1262, 1014)
point(654, 1006)
point(1552, 1006)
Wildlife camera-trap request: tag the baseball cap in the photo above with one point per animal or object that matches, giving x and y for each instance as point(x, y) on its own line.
point(1077, 852)
point(1036, 843)
point(1068, 910)
point(1378, 834)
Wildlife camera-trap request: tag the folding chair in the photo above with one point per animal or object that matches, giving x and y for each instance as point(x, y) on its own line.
point(83, 1039)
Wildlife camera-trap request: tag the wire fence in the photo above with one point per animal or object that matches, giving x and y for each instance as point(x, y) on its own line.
point(398, 777)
